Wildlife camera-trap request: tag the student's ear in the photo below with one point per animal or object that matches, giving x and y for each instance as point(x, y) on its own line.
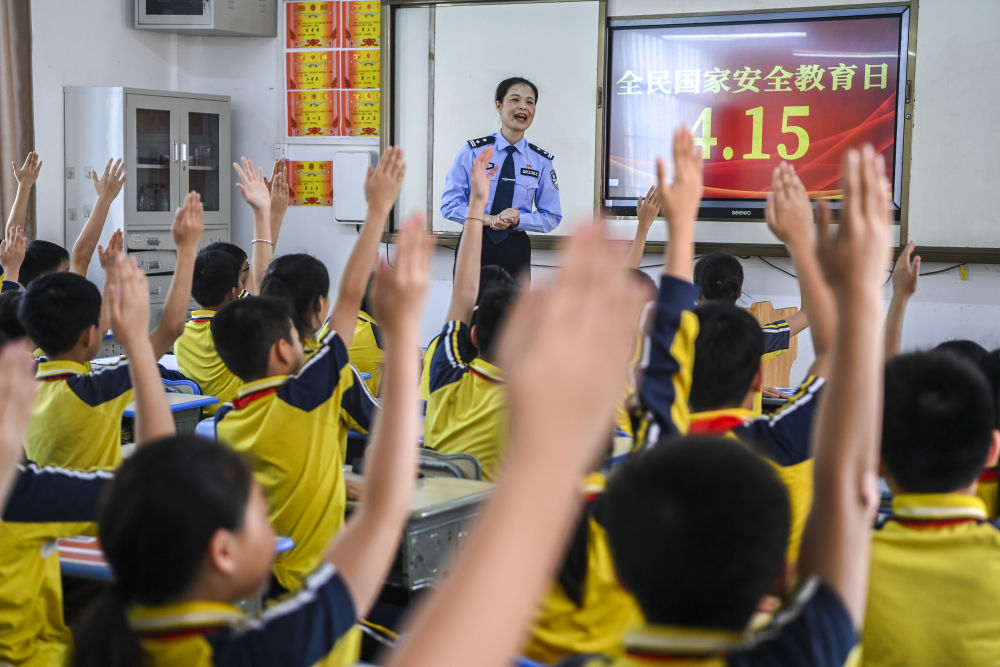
point(89, 336)
point(758, 379)
point(282, 353)
point(781, 583)
point(474, 334)
point(233, 293)
point(991, 458)
point(222, 552)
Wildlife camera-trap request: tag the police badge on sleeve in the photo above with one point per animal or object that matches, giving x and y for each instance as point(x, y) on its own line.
point(555, 180)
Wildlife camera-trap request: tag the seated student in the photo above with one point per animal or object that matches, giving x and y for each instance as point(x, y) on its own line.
point(932, 598)
point(49, 503)
point(365, 351)
point(467, 405)
point(269, 201)
point(727, 349)
point(702, 600)
point(286, 416)
point(215, 283)
point(986, 489)
point(78, 411)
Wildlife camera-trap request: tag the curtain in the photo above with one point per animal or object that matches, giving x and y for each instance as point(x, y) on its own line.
point(17, 133)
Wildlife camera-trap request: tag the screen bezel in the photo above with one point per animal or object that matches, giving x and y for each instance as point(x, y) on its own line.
point(753, 209)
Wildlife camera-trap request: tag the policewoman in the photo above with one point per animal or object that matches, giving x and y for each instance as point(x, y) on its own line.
point(524, 192)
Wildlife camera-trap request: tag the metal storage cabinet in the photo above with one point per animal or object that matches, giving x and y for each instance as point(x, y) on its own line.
point(249, 18)
point(172, 143)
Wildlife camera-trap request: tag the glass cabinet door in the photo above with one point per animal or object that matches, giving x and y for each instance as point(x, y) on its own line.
point(151, 153)
point(202, 157)
point(174, 12)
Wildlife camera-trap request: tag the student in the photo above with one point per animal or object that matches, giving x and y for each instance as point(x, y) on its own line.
point(49, 503)
point(286, 415)
point(214, 284)
point(365, 351)
point(78, 411)
point(269, 201)
point(467, 405)
point(708, 601)
point(44, 257)
point(720, 379)
point(12, 251)
point(986, 489)
point(935, 556)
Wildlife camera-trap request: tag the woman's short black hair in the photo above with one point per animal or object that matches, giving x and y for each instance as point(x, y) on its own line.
point(505, 85)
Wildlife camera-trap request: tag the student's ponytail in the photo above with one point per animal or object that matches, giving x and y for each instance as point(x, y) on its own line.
point(719, 277)
point(157, 519)
point(300, 280)
point(102, 637)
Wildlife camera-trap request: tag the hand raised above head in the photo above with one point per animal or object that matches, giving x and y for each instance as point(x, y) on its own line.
point(27, 174)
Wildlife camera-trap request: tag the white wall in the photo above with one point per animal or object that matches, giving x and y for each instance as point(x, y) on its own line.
point(98, 46)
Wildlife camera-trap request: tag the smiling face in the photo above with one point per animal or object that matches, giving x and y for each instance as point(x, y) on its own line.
point(518, 108)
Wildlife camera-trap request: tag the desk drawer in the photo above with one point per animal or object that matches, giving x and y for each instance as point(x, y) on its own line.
point(161, 239)
point(158, 288)
point(156, 261)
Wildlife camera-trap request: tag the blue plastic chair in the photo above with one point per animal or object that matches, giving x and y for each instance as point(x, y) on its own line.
point(206, 429)
point(182, 386)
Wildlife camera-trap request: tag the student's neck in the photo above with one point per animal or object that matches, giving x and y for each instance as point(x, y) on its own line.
point(76, 356)
point(896, 489)
point(512, 136)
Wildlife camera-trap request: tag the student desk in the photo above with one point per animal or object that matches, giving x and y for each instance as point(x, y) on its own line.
point(441, 512)
point(82, 557)
point(186, 409)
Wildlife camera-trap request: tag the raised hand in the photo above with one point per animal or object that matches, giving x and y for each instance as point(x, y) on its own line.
point(847, 260)
point(128, 303)
point(12, 250)
point(111, 181)
point(253, 185)
point(648, 207)
point(904, 274)
point(679, 200)
point(384, 181)
point(17, 398)
point(27, 174)
point(479, 178)
point(398, 292)
point(189, 223)
point(278, 186)
point(788, 209)
point(109, 256)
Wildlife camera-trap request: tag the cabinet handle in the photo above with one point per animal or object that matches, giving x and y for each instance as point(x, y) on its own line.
point(175, 151)
point(153, 265)
point(184, 152)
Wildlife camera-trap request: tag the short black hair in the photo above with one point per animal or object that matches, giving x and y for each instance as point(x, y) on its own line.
point(690, 557)
point(244, 331)
point(969, 349)
point(719, 276)
point(990, 366)
point(216, 273)
point(491, 278)
point(490, 314)
point(937, 421)
point(232, 249)
point(505, 85)
point(10, 324)
point(727, 354)
point(40, 259)
point(299, 279)
point(56, 310)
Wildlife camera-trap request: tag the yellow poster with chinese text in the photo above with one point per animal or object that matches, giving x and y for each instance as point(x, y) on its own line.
point(312, 70)
point(314, 113)
point(362, 24)
point(312, 25)
point(310, 183)
point(362, 113)
point(362, 68)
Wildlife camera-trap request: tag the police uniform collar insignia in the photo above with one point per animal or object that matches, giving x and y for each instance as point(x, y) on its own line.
point(482, 141)
point(541, 151)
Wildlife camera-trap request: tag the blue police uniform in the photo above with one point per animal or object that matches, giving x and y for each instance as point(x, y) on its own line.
point(535, 193)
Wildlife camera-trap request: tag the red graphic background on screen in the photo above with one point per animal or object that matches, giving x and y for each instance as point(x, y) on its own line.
point(755, 95)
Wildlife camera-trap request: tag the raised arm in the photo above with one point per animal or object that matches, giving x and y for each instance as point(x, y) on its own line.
point(364, 549)
point(904, 283)
point(479, 614)
point(837, 539)
point(17, 398)
point(128, 306)
point(465, 289)
point(25, 177)
point(679, 202)
point(189, 223)
point(382, 188)
point(790, 218)
point(107, 187)
point(255, 191)
point(646, 209)
point(278, 186)
point(12, 251)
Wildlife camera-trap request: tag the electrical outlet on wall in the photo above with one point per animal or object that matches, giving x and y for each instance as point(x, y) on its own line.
point(281, 151)
point(70, 173)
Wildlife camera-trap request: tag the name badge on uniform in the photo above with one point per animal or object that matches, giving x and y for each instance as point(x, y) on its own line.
point(529, 172)
point(490, 166)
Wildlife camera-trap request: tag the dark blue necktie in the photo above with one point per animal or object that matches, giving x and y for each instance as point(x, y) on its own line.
point(503, 196)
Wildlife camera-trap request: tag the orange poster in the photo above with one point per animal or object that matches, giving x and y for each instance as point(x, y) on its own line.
point(362, 24)
point(312, 70)
point(310, 183)
point(362, 68)
point(362, 113)
point(312, 25)
point(314, 113)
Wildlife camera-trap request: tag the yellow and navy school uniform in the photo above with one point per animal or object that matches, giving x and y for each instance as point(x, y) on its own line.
point(77, 418)
point(814, 629)
point(777, 338)
point(934, 584)
point(586, 610)
point(297, 633)
point(8, 286)
point(467, 407)
point(198, 360)
point(987, 492)
point(45, 505)
point(366, 350)
point(781, 438)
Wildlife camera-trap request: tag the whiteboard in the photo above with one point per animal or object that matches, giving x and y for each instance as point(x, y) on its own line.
point(556, 45)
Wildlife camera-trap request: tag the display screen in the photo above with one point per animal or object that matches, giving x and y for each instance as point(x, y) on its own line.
point(801, 88)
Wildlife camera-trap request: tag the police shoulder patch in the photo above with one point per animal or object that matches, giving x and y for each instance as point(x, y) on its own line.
point(481, 141)
point(541, 151)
